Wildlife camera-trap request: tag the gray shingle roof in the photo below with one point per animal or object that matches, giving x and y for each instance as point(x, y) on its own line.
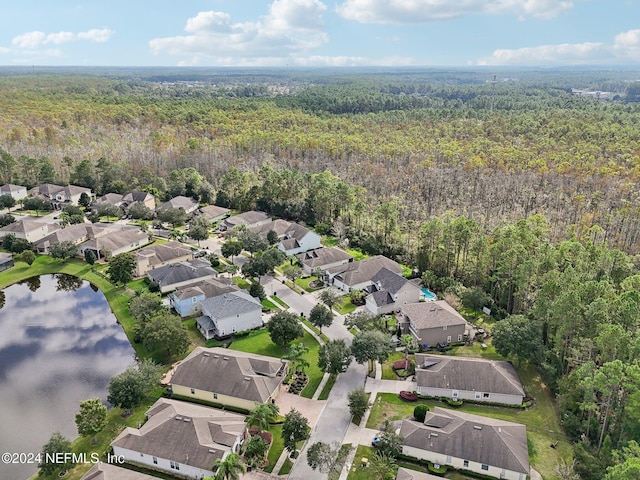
point(323, 256)
point(10, 187)
point(117, 239)
point(186, 203)
point(208, 288)
point(181, 272)
point(26, 225)
point(406, 474)
point(355, 273)
point(466, 373)
point(107, 471)
point(432, 314)
point(247, 218)
point(213, 211)
point(279, 226)
point(164, 252)
point(184, 432)
point(229, 372)
point(470, 437)
point(229, 305)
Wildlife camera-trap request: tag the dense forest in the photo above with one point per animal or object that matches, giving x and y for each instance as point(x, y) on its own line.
point(509, 191)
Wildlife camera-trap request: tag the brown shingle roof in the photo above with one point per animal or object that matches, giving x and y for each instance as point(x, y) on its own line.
point(323, 256)
point(479, 439)
point(466, 373)
point(184, 432)
point(355, 273)
point(107, 471)
point(432, 314)
point(228, 372)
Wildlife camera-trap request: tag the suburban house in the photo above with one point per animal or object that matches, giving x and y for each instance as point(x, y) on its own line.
point(293, 238)
point(229, 377)
point(358, 275)
point(77, 233)
point(109, 471)
point(181, 438)
point(186, 300)
point(176, 275)
point(28, 229)
point(228, 313)
point(406, 474)
point(483, 445)
point(213, 213)
point(323, 258)
point(250, 219)
point(432, 323)
point(188, 204)
point(144, 198)
point(160, 255)
point(298, 239)
point(18, 192)
point(6, 261)
point(115, 241)
point(108, 199)
point(389, 290)
point(467, 378)
point(60, 196)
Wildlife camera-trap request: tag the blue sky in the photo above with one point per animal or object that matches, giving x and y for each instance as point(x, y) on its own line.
point(321, 32)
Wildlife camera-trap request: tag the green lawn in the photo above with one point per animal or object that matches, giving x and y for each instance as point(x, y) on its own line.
point(268, 304)
point(358, 472)
point(279, 301)
point(241, 283)
point(304, 283)
point(326, 390)
point(258, 341)
point(286, 467)
point(387, 370)
point(542, 421)
point(345, 306)
point(277, 447)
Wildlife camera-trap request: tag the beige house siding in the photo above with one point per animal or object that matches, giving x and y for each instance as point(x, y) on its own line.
point(160, 463)
point(142, 264)
point(175, 286)
point(469, 395)
point(215, 398)
point(458, 463)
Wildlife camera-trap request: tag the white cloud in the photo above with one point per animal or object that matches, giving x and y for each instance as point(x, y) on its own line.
point(290, 28)
point(420, 11)
point(96, 35)
point(624, 49)
point(37, 39)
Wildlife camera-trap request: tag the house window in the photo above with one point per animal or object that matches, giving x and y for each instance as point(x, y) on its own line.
point(460, 337)
point(448, 459)
point(444, 328)
point(174, 465)
point(215, 396)
point(155, 460)
point(194, 299)
point(478, 395)
point(485, 467)
point(449, 339)
point(485, 395)
point(465, 463)
point(193, 391)
point(454, 394)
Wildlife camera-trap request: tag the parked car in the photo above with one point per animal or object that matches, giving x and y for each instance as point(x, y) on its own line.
point(200, 253)
point(375, 441)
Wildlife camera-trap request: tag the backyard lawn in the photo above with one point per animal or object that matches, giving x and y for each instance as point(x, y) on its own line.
point(543, 427)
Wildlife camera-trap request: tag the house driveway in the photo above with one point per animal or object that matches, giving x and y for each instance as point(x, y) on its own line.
point(310, 409)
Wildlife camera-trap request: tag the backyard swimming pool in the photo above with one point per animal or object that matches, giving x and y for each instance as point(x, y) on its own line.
point(428, 294)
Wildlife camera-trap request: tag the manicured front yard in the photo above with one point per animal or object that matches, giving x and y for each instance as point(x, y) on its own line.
point(345, 306)
point(304, 283)
point(277, 447)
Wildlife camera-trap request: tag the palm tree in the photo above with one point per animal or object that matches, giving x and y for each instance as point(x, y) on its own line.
point(383, 466)
point(228, 468)
point(262, 414)
point(296, 355)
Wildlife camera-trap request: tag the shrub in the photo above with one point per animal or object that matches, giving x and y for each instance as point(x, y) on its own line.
point(420, 412)
point(408, 396)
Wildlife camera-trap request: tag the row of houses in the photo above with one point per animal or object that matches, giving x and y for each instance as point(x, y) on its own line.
point(184, 438)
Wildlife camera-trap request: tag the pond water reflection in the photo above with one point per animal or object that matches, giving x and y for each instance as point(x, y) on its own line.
point(60, 344)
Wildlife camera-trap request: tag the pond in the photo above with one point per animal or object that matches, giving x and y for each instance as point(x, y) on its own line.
point(60, 344)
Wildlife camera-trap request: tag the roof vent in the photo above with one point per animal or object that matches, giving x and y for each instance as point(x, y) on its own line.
point(216, 356)
point(477, 427)
point(178, 417)
point(186, 419)
point(206, 354)
point(247, 379)
point(225, 358)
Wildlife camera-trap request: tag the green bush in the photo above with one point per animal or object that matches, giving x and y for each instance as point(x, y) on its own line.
point(420, 412)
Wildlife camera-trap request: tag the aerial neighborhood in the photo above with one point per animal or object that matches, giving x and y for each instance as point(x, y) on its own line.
point(229, 277)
